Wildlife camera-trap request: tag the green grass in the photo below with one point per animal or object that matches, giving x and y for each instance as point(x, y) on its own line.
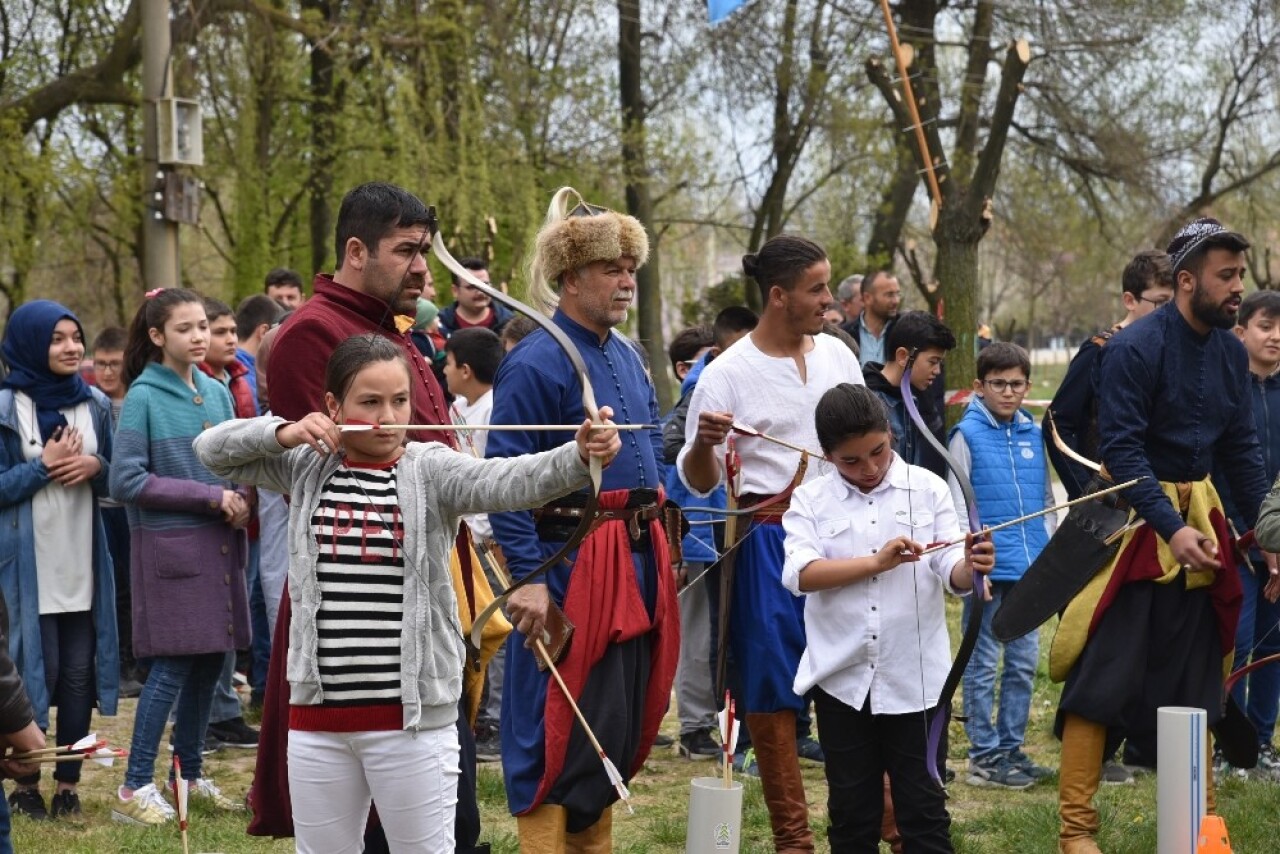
point(984, 821)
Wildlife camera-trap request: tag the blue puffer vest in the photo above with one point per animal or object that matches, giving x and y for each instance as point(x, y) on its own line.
point(996, 450)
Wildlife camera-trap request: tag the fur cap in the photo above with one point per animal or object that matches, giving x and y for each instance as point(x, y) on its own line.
point(582, 238)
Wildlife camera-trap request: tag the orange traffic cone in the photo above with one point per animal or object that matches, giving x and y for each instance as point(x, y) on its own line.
point(1213, 836)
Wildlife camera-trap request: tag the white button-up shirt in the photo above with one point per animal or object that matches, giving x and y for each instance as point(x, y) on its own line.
point(875, 636)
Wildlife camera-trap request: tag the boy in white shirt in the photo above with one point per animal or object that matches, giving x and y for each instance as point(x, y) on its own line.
point(471, 360)
point(877, 649)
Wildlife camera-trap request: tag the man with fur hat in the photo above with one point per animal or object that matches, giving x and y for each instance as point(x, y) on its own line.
point(618, 589)
point(1156, 627)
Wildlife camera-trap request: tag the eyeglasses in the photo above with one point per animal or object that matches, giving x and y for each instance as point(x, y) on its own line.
point(1157, 302)
point(1001, 386)
point(114, 367)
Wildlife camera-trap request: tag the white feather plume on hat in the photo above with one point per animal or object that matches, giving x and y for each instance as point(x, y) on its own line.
point(569, 240)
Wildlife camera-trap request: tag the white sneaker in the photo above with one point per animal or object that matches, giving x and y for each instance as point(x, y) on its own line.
point(146, 808)
point(204, 788)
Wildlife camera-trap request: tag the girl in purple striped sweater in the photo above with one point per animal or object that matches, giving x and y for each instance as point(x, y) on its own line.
point(187, 545)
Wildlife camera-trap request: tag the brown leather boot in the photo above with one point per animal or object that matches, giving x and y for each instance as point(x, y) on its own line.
point(773, 736)
point(596, 839)
point(1078, 778)
point(541, 830)
point(888, 822)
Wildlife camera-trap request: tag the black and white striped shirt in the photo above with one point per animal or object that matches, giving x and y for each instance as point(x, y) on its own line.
point(360, 573)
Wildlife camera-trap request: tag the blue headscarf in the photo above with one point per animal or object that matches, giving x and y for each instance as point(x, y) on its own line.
point(27, 339)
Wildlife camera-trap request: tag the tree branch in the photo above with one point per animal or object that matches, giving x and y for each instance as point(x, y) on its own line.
point(987, 171)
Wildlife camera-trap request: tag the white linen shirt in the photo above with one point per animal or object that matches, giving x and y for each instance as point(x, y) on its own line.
point(874, 636)
point(462, 412)
point(766, 392)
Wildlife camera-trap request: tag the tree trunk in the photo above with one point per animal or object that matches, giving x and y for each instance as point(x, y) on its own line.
point(323, 135)
point(635, 169)
point(956, 237)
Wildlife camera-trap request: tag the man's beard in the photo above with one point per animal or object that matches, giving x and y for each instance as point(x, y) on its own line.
point(1210, 313)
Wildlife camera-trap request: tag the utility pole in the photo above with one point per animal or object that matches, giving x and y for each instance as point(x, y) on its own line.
point(159, 235)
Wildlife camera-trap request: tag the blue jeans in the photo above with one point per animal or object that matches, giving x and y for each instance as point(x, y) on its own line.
point(261, 649)
point(226, 702)
point(6, 844)
point(1020, 657)
point(1257, 636)
point(188, 680)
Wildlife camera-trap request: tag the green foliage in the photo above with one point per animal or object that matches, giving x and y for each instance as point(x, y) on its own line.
point(703, 308)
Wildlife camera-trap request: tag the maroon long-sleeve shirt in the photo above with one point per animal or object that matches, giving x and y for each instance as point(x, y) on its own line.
point(303, 345)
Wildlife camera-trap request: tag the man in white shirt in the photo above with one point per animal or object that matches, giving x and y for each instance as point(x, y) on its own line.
point(771, 380)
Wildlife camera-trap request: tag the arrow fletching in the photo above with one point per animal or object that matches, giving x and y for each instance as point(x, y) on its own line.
point(615, 777)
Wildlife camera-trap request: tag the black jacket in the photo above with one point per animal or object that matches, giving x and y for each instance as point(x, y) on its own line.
point(15, 708)
point(907, 441)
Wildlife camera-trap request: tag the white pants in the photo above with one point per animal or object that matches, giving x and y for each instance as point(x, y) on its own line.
point(413, 778)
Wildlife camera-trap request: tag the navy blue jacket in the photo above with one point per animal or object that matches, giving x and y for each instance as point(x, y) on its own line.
point(1174, 405)
point(1266, 415)
point(907, 441)
point(1075, 415)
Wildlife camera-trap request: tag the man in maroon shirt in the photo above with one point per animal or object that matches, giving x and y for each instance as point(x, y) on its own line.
point(382, 241)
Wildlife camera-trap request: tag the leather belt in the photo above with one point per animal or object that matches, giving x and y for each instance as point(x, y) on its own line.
point(637, 518)
point(770, 515)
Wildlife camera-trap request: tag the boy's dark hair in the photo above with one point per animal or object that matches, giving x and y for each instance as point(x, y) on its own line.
point(781, 262)
point(111, 338)
point(918, 330)
point(372, 211)
point(1001, 356)
point(685, 346)
point(515, 329)
point(152, 314)
point(354, 354)
point(216, 309)
point(472, 263)
point(1265, 303)
point(282, 276)
point(732, 320)
point(254, 311)
point(848, 410)
point(477, 348)
point(1150, 268)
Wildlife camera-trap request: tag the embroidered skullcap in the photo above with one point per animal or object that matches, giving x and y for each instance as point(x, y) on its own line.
point(1194, 234)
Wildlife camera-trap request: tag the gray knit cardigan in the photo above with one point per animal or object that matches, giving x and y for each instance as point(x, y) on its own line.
point(434, 487)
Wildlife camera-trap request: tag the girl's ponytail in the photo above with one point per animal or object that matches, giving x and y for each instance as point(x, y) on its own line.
point(152, 314)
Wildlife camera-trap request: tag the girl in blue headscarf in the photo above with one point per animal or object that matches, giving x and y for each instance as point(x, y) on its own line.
point(55, 444)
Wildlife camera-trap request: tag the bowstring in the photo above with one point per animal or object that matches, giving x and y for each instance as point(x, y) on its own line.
point(915, 590)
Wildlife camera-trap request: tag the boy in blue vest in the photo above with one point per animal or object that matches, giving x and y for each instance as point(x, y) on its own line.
point(998, 444)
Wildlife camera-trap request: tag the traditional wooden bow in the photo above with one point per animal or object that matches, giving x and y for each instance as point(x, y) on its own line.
point(942, 713)
point(588, 518)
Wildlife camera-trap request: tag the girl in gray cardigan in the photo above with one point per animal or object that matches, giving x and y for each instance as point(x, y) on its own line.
point(375, 647)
